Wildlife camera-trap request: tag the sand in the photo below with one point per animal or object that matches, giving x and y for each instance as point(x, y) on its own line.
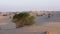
point(42, 24)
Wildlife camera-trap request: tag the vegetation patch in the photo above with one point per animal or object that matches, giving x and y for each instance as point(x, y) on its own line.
point(23, 19)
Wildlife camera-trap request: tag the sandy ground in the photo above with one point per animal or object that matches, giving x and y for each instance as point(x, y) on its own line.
point(5, 23)
point(51, 27)
point(42, 24)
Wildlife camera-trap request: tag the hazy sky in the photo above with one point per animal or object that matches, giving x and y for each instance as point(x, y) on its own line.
point(21, 5)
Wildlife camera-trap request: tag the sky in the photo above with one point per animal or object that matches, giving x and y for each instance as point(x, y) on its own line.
point(28, 5)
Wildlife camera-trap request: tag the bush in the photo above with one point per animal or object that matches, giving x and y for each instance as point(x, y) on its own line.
point(23, 19)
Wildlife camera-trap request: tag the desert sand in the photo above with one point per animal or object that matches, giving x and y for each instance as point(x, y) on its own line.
point(43, 24)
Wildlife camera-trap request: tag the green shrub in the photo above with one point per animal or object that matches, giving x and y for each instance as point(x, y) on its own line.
point(23, 19)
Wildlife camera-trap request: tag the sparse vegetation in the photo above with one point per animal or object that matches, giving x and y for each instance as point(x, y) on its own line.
point(23, 19)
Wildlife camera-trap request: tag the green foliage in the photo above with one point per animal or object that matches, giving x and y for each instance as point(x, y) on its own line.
point(23, 18)
point(32, 20)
